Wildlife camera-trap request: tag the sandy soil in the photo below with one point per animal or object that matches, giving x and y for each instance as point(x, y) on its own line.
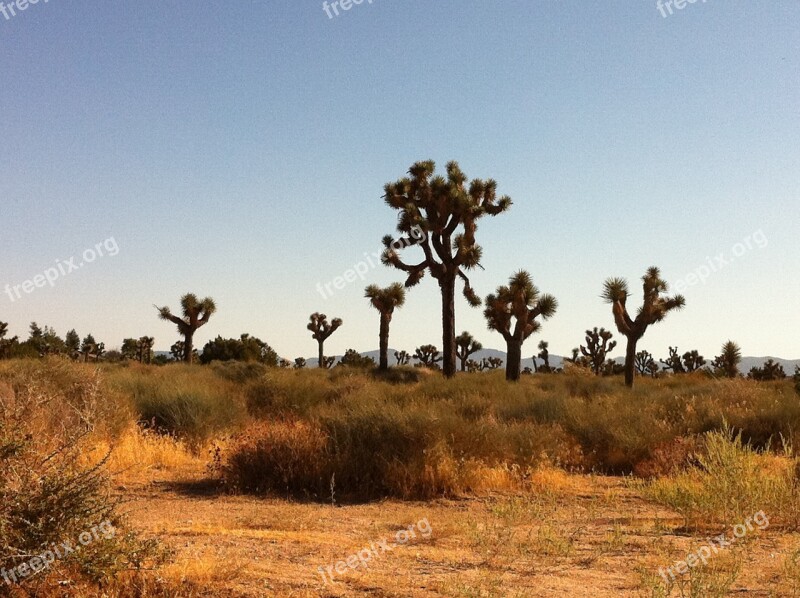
point(579, 536)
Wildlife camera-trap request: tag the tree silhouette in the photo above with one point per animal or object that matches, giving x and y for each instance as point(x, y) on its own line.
point(473, 366)
point(354, 359)
point(385, 301)
point(5, 343)
point(245, 348)
point(177, 351)
point(428, 356)
point(674, 362)
point(130, 349)
point(645, 364)
point(727, 362)
point(321, 329)
point(466, 345)
point(771, 370)
point(440, 214)
point(597, 348)
point(72, 344)
point(195, 315)
point(92, 349)
point(693, 361)
point(491, 363)
point(654, 309)
point(544, 355)
point(300, 363)
point(522, 301)
point(145, 349)
point(402, 357)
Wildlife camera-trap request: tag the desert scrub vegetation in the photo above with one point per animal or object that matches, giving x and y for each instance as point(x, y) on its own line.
point(428, 437)
point(50, 415)
point(191, 403)
point(728, 481)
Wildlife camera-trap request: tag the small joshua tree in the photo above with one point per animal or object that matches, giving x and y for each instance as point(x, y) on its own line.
point(521, 301)
point(577, 359)
point(544, 355)
point(674, 362)
point(473, 366)
point(177, 350)
point(491, 363)
point(466, 345)
point(771, 370)
point(654, 309)
point(87, 347)
point(597, 348)
point(385, 301)
point(145, 349)
point(428, 356)
point(693, 361)
point(284, 363)
point(645, 364)
point(320, 331)
point(727, 362)
point(402, 357)
point(196, 314)
point(299, 363)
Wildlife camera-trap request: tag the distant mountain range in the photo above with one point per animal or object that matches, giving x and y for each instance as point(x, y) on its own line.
point(557, 361)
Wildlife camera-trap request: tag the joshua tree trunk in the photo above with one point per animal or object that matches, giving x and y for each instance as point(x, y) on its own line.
point(464, 364)
point(320, 354)
point(513, 359)
point(384, 338)
point(630, 360)
point(448, 286)
point(188, 347)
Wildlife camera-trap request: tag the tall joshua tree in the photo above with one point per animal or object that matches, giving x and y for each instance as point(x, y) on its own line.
point(196, 314)
point(655, 308)
point(321, 329)
point(522, 301)
point(385, 301)
point(466, 345)
point(440, 215)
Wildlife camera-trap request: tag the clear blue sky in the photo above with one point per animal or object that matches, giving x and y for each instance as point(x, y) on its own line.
point(239, 150)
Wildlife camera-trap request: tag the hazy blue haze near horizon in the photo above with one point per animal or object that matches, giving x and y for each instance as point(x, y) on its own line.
point(240, 151)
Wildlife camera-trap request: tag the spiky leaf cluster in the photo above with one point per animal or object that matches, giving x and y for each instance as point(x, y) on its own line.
point(439, 214)
point(655, 306)
point(320, 328)
point(521, 301)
